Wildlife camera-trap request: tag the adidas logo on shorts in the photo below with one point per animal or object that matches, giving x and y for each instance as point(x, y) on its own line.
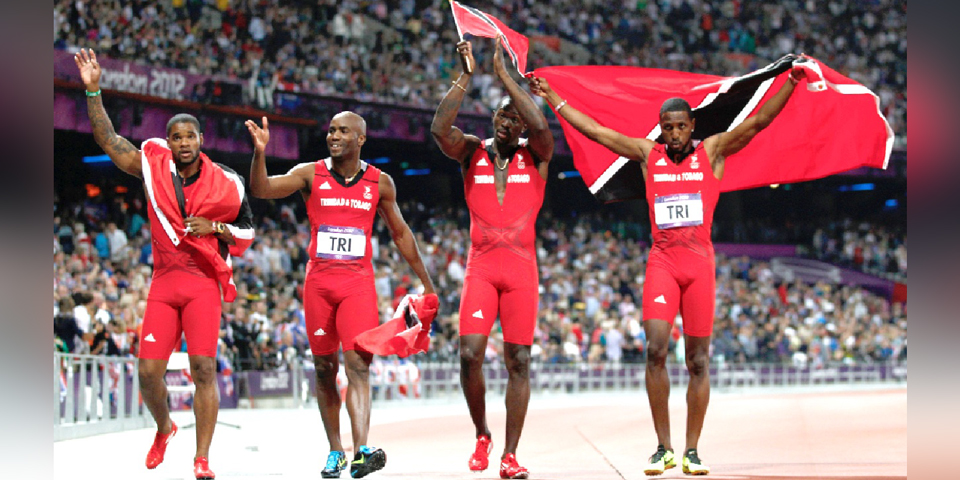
point(659, 299)
point(319, 332)
point(149, 338)
point(478, 314)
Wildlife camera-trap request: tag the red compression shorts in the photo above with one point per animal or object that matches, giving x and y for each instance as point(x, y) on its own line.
point(500, 283)
point(181, 303)
point(338, 305)
point(681, 281)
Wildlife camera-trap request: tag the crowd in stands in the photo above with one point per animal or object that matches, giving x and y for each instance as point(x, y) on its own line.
point(592, 274)
point(403, 51)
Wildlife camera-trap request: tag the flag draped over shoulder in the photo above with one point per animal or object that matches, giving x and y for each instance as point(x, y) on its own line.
point(407, 333)
point(473, 21)
point(830, 125)
point(217, 196)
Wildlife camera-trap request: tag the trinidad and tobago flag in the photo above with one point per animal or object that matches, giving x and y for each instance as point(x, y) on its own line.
point(831, 124)
point(473, 21)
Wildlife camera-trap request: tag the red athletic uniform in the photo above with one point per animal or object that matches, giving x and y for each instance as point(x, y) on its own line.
point(184, 298)
point(502, 274)
point(681, 270)
point(339, 297)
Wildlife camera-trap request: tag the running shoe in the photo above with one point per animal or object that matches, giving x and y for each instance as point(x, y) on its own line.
point(510, 469)
point(661, 461)
point(480, 459)
point(336, 462)
point(692, 464)
point(201, 469)
point(159, 447)
point(366, 461)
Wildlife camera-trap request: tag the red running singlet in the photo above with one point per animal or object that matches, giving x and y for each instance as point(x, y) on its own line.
point(339, 296)
point(501, 275)
point(681, 270)
point(184, 298)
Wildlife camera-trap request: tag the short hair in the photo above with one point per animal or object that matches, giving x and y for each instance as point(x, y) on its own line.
point(676, 104)
point(183, 118)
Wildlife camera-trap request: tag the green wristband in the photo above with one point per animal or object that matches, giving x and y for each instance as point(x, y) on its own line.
point(93, 94)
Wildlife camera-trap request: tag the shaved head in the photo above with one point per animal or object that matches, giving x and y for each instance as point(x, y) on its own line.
point(504, 102)
point(354, 120)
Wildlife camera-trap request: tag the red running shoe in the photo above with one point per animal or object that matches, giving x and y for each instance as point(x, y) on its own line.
point(201, 469)
point(510, 469)
point(159, 447)
point(480, 459)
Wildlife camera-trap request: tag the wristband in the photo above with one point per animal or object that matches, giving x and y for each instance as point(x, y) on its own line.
point(92, 94)
point(219, 227)
point(560, 106)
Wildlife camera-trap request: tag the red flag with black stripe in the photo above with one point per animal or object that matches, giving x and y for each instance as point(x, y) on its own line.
point(832, 124)
point(473, 21)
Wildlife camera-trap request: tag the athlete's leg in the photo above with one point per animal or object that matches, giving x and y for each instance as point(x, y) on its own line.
point(358, 394)
point(206, 400)
point(518, 318)
point(697, 305)
point(472, 348)
point(661, 299)
point(657, 380)
point(517, 358)
point(698, 390)
point(161, 330)
point(357, 313)
point(328, 398)
point(320, 321)
point(478, 310)
point(201, 327)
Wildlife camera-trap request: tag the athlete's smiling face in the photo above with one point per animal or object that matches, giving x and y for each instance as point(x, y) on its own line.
point(184, 141)
point(345, 136)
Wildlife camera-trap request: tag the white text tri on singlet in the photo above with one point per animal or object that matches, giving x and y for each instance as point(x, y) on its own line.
point(340, 243)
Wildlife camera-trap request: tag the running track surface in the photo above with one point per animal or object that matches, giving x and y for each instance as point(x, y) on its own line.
point(775, 435)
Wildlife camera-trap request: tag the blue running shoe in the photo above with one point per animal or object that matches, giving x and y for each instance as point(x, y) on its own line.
point(336, 462)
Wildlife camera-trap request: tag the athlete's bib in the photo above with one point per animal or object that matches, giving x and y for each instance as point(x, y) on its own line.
point(340, 243)
point(679, 210)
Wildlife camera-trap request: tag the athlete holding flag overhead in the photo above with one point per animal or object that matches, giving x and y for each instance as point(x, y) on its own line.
point(682, 188)
point(502, 276)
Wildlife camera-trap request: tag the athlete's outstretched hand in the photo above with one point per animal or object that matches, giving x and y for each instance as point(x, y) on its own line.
point(89, 68)
point(259, 135)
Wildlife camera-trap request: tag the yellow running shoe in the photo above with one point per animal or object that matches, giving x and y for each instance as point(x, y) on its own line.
point(661, 461)
point(692, 465)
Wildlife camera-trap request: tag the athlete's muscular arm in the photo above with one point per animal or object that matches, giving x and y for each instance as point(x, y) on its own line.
point(119, 149)
point(721, 145)
point(452, 141)
point(632, 148)
point(400, 231)
point(299, 178)
point(541, 139)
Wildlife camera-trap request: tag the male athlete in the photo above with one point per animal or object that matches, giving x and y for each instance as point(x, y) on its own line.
point(199, 216)
point(682, 188)
point(343, 194)
point(504, 179)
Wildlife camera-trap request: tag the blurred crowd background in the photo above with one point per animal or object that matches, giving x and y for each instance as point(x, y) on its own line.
point(592, 260)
